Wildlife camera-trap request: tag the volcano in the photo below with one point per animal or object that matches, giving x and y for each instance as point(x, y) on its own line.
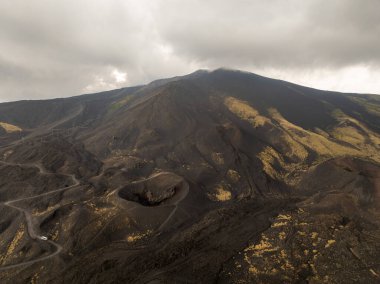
point(218, 176)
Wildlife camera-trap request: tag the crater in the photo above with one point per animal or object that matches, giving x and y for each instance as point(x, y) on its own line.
point(157, 190)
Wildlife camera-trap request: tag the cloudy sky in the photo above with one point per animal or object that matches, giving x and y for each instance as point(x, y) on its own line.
point(52, 48)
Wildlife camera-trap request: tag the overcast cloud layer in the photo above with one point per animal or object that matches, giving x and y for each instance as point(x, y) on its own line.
point(65, 48)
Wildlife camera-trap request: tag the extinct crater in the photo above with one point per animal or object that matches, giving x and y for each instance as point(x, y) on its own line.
point(157, 190)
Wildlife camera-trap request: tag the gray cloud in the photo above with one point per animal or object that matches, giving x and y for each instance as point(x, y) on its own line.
point(65, 48)
point(275, 33)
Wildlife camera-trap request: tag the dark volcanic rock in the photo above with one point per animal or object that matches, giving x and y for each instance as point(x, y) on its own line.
point(214, 177)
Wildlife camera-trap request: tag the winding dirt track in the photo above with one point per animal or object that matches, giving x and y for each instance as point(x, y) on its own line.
point(179, 196)
point(29, 219)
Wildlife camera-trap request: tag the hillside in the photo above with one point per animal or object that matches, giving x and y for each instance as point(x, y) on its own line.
point(221, 176)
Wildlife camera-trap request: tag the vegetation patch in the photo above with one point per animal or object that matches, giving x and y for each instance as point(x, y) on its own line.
point(244, 111)
point(119, 104)
point(14, 243)
point(10, 128)
point(221, 193)
point(217, 158)
point(233, 176)
point(138, 236)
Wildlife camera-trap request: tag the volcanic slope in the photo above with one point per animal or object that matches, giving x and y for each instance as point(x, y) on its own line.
point(221, 176)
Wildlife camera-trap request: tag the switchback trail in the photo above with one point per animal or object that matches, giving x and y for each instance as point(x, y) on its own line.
point(29, 218)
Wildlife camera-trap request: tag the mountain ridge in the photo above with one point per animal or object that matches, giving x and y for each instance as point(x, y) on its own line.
point(244, 177)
